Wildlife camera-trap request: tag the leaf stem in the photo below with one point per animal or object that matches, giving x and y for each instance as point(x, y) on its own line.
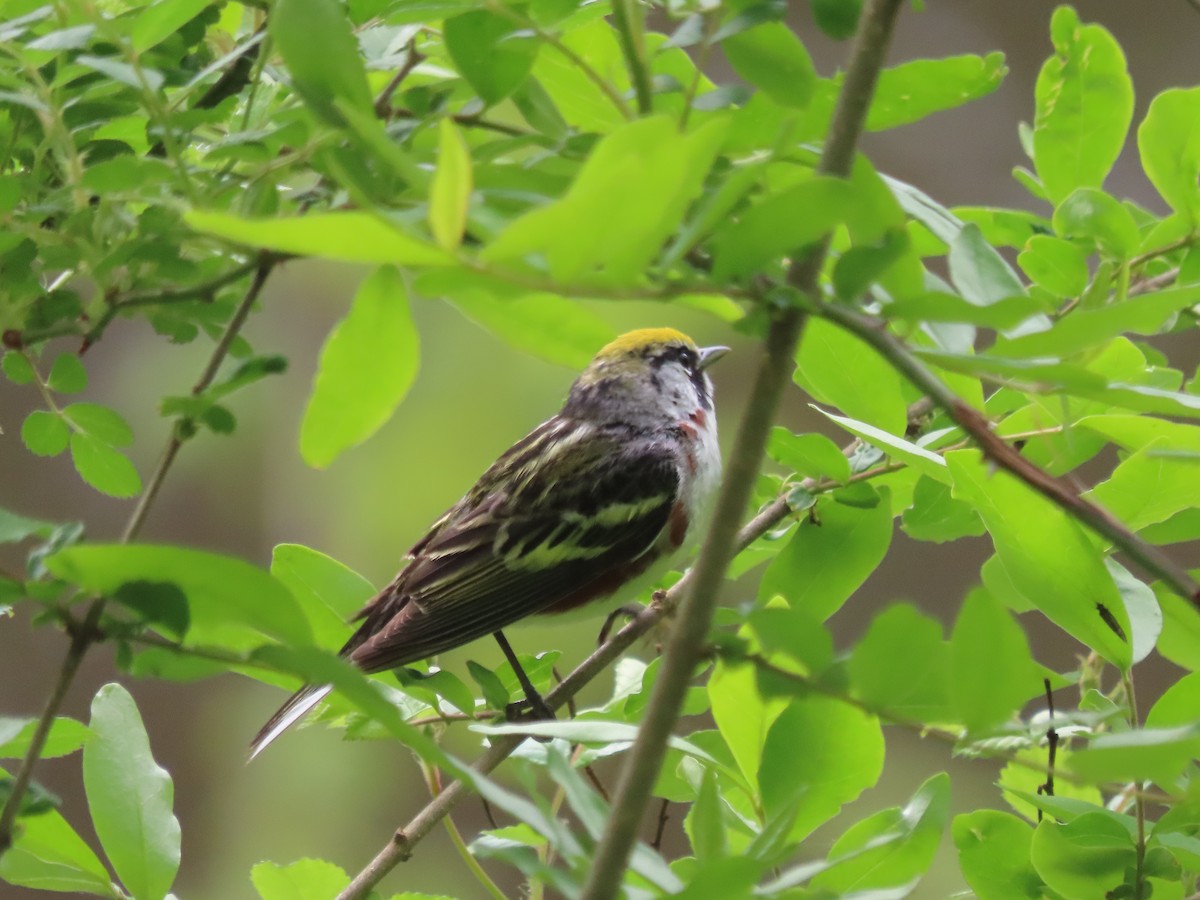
point(628, 20)
point(1139, 802)
point(645, 758)
point(87, 634)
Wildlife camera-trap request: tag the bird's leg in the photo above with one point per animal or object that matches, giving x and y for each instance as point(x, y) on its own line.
point(533, 700)
point(630, 611)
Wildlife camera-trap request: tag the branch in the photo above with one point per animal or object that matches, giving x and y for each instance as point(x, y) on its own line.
point(88, 633)
point(1149, 557)
point(400, 847)
point(683, 648)
point(383, 102)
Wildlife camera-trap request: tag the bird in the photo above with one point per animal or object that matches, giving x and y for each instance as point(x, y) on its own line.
point(591, 505)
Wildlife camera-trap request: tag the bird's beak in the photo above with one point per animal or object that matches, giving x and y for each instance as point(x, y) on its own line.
point(709, 355)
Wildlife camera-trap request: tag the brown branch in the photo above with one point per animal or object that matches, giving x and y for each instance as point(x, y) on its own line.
point(383, 102)
point(83, 637)
point(1149, 557)
point(683, 647)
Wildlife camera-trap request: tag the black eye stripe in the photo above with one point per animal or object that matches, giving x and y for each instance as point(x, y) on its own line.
point(685, 356)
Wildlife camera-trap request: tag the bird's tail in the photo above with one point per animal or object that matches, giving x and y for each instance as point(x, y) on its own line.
point(291, 712)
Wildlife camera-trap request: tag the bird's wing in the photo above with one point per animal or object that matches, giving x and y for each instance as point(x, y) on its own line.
point(522, 541)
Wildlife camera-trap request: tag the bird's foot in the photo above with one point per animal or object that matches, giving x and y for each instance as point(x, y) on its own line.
point(532, 709)
point(630, 611)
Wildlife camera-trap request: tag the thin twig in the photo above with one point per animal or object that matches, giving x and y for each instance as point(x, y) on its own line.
point(662, 824)
point(87, 634)
point(1139, 802)
point(384, 100)
point(645, 758)
point(1046, 788)
point(1150, 558)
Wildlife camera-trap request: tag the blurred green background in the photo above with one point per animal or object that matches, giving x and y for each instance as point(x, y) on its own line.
point(312, 794)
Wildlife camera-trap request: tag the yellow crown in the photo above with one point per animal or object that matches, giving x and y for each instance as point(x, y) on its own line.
point(632, 341)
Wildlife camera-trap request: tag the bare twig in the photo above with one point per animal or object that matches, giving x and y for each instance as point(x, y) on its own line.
point(384, 101)
point(83, 637)
point(1047, 787)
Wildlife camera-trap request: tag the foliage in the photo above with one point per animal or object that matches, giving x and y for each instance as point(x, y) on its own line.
point(161, 159)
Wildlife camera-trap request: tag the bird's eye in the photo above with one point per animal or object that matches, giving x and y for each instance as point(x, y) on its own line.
point(688, 358)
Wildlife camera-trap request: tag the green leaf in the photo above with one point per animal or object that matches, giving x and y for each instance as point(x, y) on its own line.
point(47, 854)
point(1179, 640)
point(868, 859)
point(823, 751)
point(988, 695)
point(837, 18)
point(993, 854)
point(130, 797)
point(823, 564)
point(66, 736)
point(773, 59)
point(1084, 103)
point(1085, 328)
point(793, 634)
point(635, 187)
point(548, 326)
point(44, 433)
point(704, 823)
point(1085, 858)
point(1023, 782)
point(160, 604)
point(328, 592)
point(837, 368)
point(305, 879)
point(1056, 265)
point(140, 78)
point(315, 40)
point(901, 665)
point(491, 52)
point(158, 21)
point(1169, 144)
point(1178, 705)
point(231, 603)
point(978, 271)
point(1093, 215)
point(495, 694)
point(17, 367)
point(107, 470)
point(1157, 754)
point(780, 225)
point(450, 190)
point(1149, 487)
point(918, 89)
point(67, 375)
point(743, 716)
point(356, 237)
point(367, 365)
point(14, 528)
point(925, 461)
point(813, 455)
point(100, 422)
point(936, 516)
point(1047, 555)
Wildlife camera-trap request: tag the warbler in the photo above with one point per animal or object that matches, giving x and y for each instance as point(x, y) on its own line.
point(601, 495)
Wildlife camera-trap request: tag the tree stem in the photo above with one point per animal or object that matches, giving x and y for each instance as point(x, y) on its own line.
point(699, 602)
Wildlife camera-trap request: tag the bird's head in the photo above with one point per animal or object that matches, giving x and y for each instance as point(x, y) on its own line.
point(645, 378)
